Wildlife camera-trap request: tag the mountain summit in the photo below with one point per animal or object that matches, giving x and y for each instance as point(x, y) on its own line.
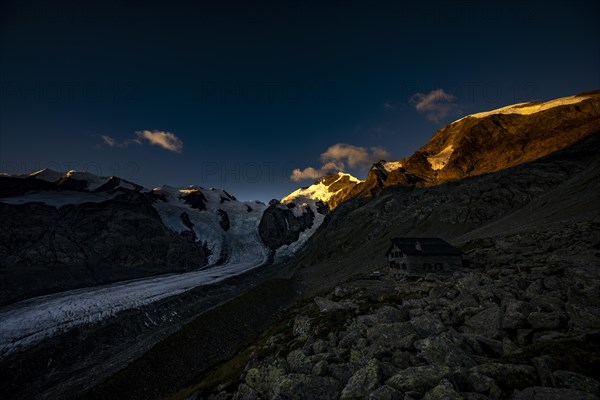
point(487, 142)
point(325, 188)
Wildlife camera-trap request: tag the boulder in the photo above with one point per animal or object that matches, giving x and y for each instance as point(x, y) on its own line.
point(575, 381)
point(301, 327)
point(321, 368)
point(385, 339)
point(363, 382)
point(545, 367)
point(245, 392)
point(319, 347)
point(445, 349)
point(508, 376)
point(428, 324)
point(342, 372)
point(481, 384)
point(389, 314)
point(546, 320)
point(485, 323)
point(546, 393)
point(419, 379)
point(265, 378)
point(443, 391)
point(299, 362)
point(308, 387)
point(326, 305)
point(385, 392)
point(515, 315)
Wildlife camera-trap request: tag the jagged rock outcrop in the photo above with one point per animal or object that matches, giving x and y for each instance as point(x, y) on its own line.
point(280, 226)
point(224, 219)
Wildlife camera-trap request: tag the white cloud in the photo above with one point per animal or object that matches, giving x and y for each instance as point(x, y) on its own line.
point(339, 157)
point(306, 173)
point(343, 154)
point(388, 106)
point(109, 140)
point(166, 140)
point(436, 105)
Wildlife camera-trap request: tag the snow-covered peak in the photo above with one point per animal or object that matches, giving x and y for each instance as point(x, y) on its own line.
point(211, 195)
point(323, 189)
point(214, 218)
point(529, 107)
point(92, 182)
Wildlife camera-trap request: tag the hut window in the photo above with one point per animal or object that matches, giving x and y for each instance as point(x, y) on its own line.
point(403, 265)
point(427, 266)
point(438, 266)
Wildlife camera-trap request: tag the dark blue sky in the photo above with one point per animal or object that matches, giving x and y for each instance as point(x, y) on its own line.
point(255, 89)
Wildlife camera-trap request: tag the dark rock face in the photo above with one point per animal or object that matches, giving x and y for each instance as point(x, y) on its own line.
point(190, 234)
point(10, 186)
point(279, 226)
point(322, 208)
point(223, 219)
point(68, 183)
point(229, 196)
point(114, 182)
point(185, 218)
point(118, 238)
point(196, 200)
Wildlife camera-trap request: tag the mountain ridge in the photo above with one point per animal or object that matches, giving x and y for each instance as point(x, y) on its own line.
point(487, 142)
point(212, 227)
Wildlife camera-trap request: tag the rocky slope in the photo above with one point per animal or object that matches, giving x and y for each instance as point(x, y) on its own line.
point(488, 142)
point(520, 324)
point(521, 321)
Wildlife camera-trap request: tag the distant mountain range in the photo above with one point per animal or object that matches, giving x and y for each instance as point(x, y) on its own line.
point(480, 144)
point(516, 170)
point(64, 230)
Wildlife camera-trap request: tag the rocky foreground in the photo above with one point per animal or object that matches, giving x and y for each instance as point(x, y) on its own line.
point(522, 322)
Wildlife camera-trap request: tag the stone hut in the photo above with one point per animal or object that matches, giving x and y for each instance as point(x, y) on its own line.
point(420, 256)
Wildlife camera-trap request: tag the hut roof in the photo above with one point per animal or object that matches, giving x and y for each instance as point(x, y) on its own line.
point(424, 246)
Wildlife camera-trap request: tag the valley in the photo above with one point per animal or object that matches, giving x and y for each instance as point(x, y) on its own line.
point(215, 276)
